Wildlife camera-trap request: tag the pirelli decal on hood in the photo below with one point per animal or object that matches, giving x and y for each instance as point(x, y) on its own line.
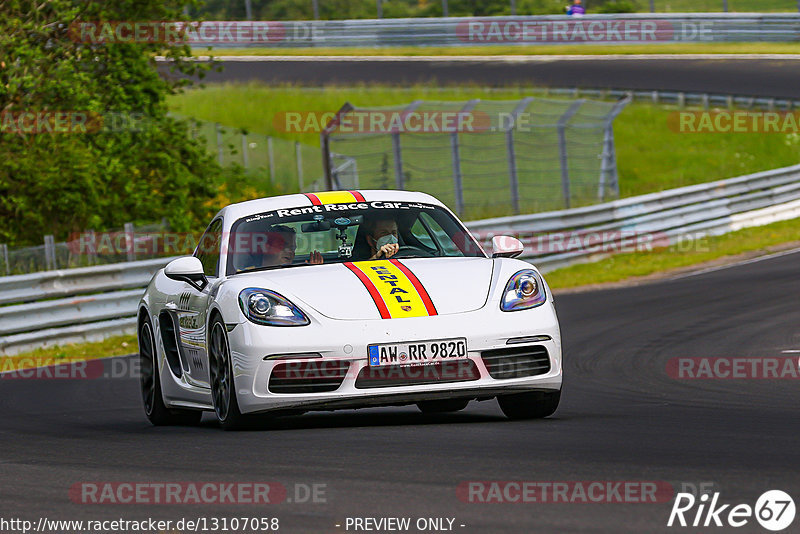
point(394, 289)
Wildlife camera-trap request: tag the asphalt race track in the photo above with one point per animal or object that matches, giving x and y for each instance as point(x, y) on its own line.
point(767, 77)
point(621, 418)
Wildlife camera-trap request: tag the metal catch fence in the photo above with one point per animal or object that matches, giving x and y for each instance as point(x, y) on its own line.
point(481, 157)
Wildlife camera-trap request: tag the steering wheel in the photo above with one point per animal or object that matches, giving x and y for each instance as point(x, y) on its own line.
point(410, 250)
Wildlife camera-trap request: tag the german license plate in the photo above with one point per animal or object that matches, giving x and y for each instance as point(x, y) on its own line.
point(417, 352)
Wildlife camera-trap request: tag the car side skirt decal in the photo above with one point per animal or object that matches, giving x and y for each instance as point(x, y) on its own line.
point(396, 291)
point(334, 197)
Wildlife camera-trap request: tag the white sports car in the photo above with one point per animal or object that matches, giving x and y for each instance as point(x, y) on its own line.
point(346, 299)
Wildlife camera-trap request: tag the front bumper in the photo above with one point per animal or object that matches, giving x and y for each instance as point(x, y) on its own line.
point(347, 340)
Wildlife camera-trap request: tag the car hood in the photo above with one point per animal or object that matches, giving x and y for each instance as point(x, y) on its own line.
point(356, 291)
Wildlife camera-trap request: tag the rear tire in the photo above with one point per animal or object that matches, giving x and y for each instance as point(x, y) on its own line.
point(223, 390)
point(150, 382)
point(533, 405)
point(442, 406)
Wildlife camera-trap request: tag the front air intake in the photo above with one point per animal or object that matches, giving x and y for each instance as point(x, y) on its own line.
point(417, 375)
point(516, 362)
point(309, 376)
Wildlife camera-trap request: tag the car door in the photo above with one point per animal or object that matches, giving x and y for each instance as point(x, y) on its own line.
point(192, 308)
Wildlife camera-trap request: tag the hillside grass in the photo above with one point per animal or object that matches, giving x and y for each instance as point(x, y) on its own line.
point(621, 267)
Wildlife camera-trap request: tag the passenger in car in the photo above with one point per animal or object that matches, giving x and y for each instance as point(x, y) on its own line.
point(279, 249)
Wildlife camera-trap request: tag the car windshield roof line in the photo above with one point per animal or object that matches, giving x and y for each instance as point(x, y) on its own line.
point(339, 232)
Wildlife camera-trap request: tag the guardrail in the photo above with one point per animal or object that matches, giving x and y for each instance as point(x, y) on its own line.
point(680, 98)
point(471, 31)
point(72, 305)
point(94, 302)
point(560, 238)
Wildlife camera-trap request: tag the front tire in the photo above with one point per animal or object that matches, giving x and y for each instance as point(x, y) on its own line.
point(533, 405)
point(223, 391)
point(150, 383)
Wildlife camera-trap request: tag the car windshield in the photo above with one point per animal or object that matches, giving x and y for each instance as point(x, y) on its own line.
point(335, 233)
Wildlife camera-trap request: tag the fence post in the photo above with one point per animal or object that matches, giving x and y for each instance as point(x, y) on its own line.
point(397, 151)
point(129, 241)
point(608, 163)
point(91, 253)
point(398, 161)
point(315, 8)
point(458, 185)
point(244, 150)
point(271, 157)
point(562, 148)
point(331, 181)
point(445, 10)
point(652, 6)
point(513, 7)
point(218, 128)
point(513, 181)
point(50, 253)
point(299, 157)
point(4, 250)
point(379, 8)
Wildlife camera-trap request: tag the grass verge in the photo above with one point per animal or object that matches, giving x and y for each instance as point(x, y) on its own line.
point(515, 50)
point(56, 355)
point(742, 244)
point(650, 155)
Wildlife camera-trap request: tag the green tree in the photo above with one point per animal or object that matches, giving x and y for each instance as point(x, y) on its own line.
point(58, 183)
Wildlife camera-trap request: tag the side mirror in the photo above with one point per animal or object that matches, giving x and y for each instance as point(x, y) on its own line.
point(188, 269)
point(504, 246)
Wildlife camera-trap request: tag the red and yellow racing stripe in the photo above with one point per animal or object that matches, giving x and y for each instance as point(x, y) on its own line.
point(335, 197)
point(395, 290)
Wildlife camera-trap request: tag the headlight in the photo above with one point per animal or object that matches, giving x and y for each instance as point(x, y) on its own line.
point(523, 291)
point(268, 308)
